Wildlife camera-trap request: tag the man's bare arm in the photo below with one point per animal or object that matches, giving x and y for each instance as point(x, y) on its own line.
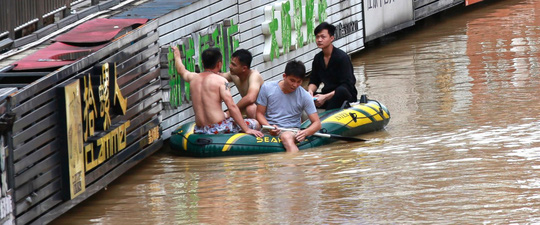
point(312, 88)
point(227, 75)
point(261, 111)
point(255, 83)
point(234, 111)
point(313, 128)
point(186, 74)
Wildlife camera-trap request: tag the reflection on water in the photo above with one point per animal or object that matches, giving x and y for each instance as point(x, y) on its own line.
point(463, 144)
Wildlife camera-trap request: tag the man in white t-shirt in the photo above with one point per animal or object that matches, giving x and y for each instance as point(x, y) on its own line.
point(281, 103)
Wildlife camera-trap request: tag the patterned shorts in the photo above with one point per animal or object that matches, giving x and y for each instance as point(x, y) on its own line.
point(224, 127)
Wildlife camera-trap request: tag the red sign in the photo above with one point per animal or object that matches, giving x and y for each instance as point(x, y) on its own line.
point(470, 2)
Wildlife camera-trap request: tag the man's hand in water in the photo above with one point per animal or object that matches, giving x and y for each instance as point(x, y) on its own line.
point(256, 133)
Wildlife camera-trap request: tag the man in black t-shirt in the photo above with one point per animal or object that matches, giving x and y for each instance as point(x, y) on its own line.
point(333, 68)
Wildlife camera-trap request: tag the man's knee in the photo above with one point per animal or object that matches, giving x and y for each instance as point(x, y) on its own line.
point(287, 137)
point(288, 140)
point(342, 93)
point(251, 110)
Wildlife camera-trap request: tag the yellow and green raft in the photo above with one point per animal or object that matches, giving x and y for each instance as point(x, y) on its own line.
point(357, 119)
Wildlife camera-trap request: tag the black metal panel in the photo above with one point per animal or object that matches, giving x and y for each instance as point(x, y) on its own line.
point(34, 130)
point(39, 196)
point(37, 114)
point(136, 98)
point(35, 171)
point(143, 105)
point(43, 207)
point(146, 91)
point(28, 188)
point(139, 57)
point(137, 71)
point(147, 115)
point(36, 156)
point(33, 103)
point(43, 138)
point(132, 87)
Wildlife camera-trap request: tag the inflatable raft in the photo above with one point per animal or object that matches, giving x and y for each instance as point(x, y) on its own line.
point(357, 119)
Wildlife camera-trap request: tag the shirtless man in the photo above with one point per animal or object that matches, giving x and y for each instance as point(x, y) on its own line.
point(208, 89)
point(247, 81)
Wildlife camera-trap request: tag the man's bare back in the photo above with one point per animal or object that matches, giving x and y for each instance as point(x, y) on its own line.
point(207, 108)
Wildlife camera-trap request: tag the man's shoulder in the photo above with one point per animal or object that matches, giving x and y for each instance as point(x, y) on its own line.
point(270, 83)
point(320, 54)
point(339, 52)
point(254, 76)
point(217, 78)
point(269, 86)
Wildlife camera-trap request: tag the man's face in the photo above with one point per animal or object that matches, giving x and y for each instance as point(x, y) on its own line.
point(324, 39)
point(235, 66)
point(290, 83)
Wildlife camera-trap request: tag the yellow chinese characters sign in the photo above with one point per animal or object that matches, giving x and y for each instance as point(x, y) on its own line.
point(74, 138)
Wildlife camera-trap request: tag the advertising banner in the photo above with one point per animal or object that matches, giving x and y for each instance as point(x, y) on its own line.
point(381, 15)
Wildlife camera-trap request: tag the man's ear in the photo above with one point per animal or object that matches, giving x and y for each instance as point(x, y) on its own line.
point(220, 65)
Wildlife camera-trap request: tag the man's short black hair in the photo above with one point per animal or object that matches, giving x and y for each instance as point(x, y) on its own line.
point(295, 68)
point(243, 56)
point(210, 58)
point(325, 26)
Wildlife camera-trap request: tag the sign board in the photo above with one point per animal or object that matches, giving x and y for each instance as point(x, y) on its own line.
point(73, 138)
point(87, 108)
point(382, 15)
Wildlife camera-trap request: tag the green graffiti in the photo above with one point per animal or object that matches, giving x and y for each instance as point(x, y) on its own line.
point(189, 63)
point(233, 43)
point(217, 39)
point(298, 23)
point(310, 20)
point(204, 44)
point(286, 26)
point(274, 50)
point(179, 89)
point(174, 82)
point(322, 10)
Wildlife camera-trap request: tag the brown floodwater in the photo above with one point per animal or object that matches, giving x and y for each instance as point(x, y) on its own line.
point(462, 147)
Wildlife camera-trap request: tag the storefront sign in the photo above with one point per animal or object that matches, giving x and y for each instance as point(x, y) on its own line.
point(87, 108)
point(284, 27)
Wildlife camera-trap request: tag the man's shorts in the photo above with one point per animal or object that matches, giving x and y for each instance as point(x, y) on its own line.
point(265, 131)
point(225, 127)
